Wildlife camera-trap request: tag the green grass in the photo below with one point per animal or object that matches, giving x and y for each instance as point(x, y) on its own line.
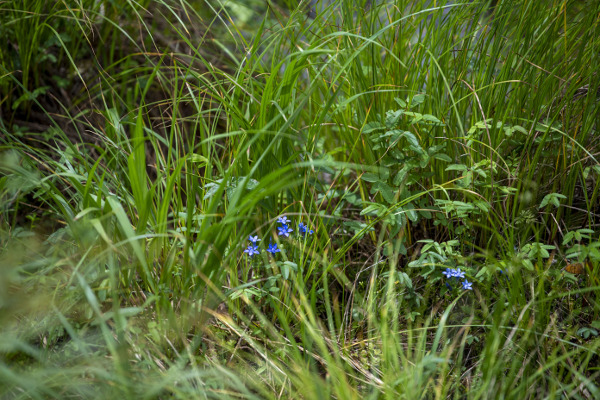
point(141, 143)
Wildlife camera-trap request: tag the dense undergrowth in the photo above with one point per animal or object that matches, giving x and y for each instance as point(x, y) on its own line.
point(295, 200)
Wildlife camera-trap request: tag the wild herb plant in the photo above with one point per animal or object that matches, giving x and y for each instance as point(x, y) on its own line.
point(360, 200)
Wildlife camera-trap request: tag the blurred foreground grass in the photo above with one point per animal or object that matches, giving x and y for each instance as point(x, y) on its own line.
point(142, 143)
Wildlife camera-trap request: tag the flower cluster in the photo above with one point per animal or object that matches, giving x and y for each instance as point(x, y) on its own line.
point(457, 274)
point(273, 248)
point(283, 230)
point(251, 250)
point(304, 229)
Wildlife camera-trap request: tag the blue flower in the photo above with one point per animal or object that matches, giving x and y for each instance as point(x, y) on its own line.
point(304, 229)
point(254, 239)
point(505, 275)
point(283, 220)
point(273, 248)
point(251, 250)
point(467, 285)
point(458, 274)
point(449, 273)
point(284, 231)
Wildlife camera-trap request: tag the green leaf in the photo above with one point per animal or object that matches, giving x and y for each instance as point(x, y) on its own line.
point(424, 160)
point(456, 167)
point(27, 96)
point(392, 117)
point(211, 188)
point(442, 156)
point(357, 226)
point(411, 213)
point(412, 139)
point(552, 198)
point(386, 191)
point(384, 174)
point(375, 209)
point(480, 172)
point(395, 134)
point(400, 102)
point(373, 126)
point(431, 118)
point(285, 271)
point(369, 177)
point(199, 159)
point(520, 129)
point(401, 175)
point(417, 100)
point(528, 265)
point(416, 117)
point(568, 237)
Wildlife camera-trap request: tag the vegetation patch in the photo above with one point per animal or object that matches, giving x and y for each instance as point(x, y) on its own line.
point(299, 199)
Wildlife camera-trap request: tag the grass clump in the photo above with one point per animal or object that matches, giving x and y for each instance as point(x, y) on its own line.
point(340, 200)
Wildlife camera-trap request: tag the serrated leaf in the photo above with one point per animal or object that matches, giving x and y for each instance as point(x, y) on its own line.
point(392, 117)
point(211, 189)
point(417, 99)
point(252, 184)
point(373, 126)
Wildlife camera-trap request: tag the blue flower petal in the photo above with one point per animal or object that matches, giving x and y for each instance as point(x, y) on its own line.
point(253, 239)
point(273, 248)
point(283, 220)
